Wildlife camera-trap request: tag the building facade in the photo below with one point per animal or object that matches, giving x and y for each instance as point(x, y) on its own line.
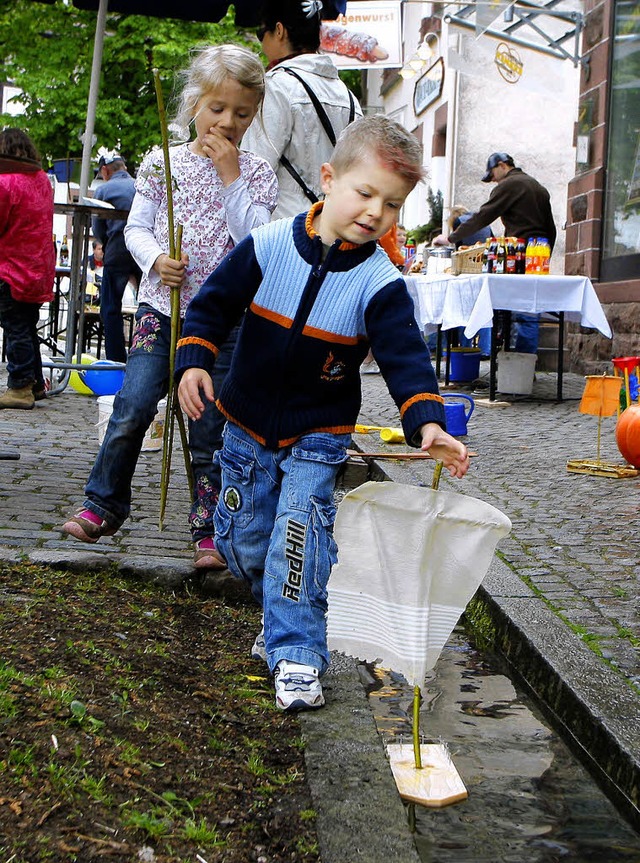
point(603, 213)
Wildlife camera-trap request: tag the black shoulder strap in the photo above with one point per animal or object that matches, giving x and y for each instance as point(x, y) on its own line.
point(352, 106)
point(326, 125)
point(322, 114)
point(296, 176)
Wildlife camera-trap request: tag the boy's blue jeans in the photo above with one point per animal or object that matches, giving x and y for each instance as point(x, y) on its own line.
point(108, 488)
point(274, 527)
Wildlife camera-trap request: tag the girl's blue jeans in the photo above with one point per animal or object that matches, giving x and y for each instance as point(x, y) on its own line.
point(108, 489)
point(274, 527)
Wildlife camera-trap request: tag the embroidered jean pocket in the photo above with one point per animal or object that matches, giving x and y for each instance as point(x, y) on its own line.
point(237, 493)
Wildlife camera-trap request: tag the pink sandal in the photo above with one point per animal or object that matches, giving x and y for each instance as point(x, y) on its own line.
point(87, 526)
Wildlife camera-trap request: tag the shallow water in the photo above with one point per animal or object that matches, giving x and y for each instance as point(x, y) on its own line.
point(529, 800)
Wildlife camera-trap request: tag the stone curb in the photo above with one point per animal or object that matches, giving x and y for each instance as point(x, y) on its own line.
point(596, 712)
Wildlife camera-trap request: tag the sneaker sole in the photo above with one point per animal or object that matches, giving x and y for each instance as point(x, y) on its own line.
point(301, 704)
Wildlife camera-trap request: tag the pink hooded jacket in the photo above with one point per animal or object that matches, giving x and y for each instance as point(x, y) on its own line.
point(27, 257)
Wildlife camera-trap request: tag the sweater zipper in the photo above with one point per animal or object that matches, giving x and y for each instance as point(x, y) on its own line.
point(312, 288)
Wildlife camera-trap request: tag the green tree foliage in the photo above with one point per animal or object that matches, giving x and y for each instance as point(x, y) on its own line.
point(423, 233)
point(46, 51)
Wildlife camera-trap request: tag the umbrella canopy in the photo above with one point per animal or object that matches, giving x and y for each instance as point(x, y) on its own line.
point(247, 12)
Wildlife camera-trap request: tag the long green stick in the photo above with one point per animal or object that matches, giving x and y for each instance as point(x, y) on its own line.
point(417, 757)
point(175, 253)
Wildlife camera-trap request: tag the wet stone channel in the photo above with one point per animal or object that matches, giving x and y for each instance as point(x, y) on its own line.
point(530, 801)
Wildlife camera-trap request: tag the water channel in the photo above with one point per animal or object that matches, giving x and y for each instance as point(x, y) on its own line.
point(529, 800)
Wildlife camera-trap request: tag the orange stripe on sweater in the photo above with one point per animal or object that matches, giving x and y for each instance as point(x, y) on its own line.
point(261, 312)
point(192, 340)
point(423, 397)
point(326, 336)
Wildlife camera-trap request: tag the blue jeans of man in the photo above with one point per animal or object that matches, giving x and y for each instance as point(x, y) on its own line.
point(527, 329)
point(112, 287)
point(19, 322)
point(108, 489)
point(274, 526)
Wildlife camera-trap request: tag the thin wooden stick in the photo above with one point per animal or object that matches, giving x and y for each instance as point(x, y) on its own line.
point(417, 756)
point(175, 253)
point(399, 455)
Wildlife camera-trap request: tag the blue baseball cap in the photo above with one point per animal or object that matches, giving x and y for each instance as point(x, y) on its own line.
point(494, 160)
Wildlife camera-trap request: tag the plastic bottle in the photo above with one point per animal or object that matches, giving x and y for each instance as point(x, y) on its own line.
point(545, 255)
point(529, 256)
point(501, 257)
point(491, 256)
point(537, 257)
point(485, 257)
point(510, 267)
point(521, 256)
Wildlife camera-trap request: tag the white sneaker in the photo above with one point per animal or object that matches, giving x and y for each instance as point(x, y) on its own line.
point(297, 686)
point(259, 649)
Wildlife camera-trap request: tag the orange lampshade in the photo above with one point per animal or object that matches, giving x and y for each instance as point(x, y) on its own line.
point(601, 395)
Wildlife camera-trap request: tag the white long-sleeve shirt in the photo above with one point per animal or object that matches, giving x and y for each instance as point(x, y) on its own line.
point(214, 217)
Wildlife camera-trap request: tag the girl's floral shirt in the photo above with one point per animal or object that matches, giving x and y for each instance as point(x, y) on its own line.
point(204, 208)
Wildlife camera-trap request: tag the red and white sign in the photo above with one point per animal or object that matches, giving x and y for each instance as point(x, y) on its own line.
point(367, 36)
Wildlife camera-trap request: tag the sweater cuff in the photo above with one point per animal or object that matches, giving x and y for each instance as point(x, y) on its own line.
point(191, 356)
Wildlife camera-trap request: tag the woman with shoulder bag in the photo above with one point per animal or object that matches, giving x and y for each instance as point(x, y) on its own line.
point(305, 107)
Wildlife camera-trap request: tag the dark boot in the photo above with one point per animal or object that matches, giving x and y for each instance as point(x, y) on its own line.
point(20, 399)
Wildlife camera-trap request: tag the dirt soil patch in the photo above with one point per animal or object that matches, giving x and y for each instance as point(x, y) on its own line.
point(134, 726)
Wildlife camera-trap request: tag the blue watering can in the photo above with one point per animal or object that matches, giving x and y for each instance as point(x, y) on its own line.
point(455, 414)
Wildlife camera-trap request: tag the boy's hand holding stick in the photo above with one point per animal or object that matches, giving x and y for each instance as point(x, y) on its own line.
point(175, 254)
point(441, 446)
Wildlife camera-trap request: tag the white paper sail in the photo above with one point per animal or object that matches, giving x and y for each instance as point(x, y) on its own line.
point(409, 561)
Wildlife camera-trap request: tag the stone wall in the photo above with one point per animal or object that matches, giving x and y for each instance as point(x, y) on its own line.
point(590, 353)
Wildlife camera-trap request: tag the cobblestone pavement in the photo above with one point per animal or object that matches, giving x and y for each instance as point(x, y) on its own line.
point(572, 550)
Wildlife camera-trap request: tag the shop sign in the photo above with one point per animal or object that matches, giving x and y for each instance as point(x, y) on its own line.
point(367, 36)
point(508, 63)
point(428, 87)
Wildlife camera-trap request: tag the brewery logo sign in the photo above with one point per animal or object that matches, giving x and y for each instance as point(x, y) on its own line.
point(508, 62)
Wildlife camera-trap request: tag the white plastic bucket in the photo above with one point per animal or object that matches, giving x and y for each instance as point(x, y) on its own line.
point(516, 372)
point(153, 436)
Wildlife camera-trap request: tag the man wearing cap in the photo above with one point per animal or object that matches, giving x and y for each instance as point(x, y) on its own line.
point(118, 265)
point(524, 206)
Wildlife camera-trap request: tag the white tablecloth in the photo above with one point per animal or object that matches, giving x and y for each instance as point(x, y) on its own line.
point(469, 300)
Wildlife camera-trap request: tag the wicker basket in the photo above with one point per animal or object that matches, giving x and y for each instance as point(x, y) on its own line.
point(467, 261)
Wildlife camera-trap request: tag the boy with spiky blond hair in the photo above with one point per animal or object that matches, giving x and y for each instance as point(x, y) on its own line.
point(318, 292)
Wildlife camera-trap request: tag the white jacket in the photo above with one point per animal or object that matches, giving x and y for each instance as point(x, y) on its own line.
point(288, 125)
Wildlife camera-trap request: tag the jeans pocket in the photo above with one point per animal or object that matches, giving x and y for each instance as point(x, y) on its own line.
point(224, 540)
point(323, 516)
point(326, 449)
point(237, 492)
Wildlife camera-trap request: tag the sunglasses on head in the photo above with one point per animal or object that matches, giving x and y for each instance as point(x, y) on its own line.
point(261, 32)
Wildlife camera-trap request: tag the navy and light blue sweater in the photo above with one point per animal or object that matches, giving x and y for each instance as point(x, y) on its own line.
point(309, 323)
